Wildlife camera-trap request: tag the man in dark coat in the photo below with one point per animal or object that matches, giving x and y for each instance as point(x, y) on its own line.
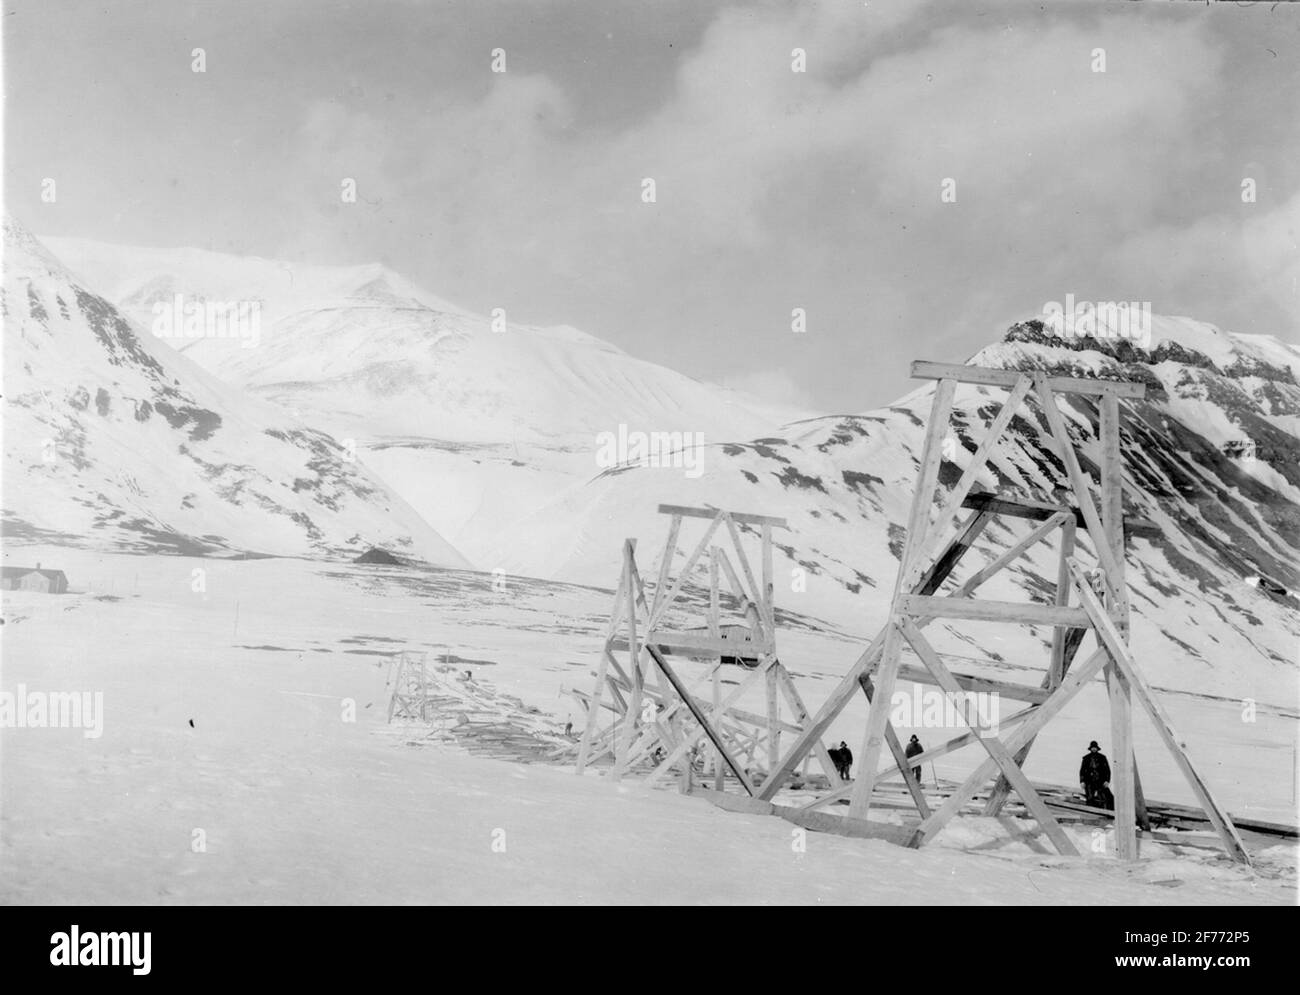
point(1094, 778)
point(834, 753)
point(913, 748)
point(841, 758)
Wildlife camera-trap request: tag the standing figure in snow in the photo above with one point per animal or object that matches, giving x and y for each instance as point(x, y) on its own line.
point(1094, 778)
point(834, 753)
point(846, 760)
point(913, 748)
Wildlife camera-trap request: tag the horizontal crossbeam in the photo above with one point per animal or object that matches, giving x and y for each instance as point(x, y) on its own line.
point(1003, 689)
point(1040, 511)
point(699, 643)
point(736, 516)
point(920, 606)
point(984, 376)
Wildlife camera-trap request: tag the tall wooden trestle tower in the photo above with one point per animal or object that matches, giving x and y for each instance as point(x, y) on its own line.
point(927, 562)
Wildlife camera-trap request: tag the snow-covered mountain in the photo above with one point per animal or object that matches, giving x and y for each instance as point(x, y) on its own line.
point(476, 421)
point(492, 436)
point(112, 438)
point(1212, 457)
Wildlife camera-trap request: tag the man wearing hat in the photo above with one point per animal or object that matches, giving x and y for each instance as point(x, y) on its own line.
point(913, 748)
point(1094, 778)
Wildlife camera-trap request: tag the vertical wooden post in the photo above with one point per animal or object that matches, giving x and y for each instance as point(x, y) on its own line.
point(602, 671)
point(768, 612)
point(666, 566)
point(769, 600)
point(773, 721)
point(633, 715)
point(1121, 704)
point(715, 613)
point(1059, 663)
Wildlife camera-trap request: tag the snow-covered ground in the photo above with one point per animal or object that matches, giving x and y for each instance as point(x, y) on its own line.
point(227, 769)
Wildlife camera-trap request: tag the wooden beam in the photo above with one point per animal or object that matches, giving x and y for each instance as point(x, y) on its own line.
point(739, 516)
point(877, 723)
point(1028, 730)
point(801, 716)
point(958, 494)
point(918, 522)
point(733, 580)
point(715, 615)
point(1112, 511)
point(984, 376)
point(926, 756)
point(765, 633)
point(666, 564)
point(589, 728)
point(1078, 480)
point(669, 709)
point(700, 643)
point(1036, 535)
point(1038, 511)
point(1061, 652)
point(769, 589)
point(1003, 689)
point(867, 660)
point(967, 738)
point(689, 739)
point(1065, 642)
point(1114, 643)
point(901, 759)
point(1121, 703)
point(953, 553)
point(702, 718)
point(1041, 510)
point(633, 714)
point(992, 745)
point(745, 715)
point(773, 721)
point(1027, 613)
point(667, 601)
point(927, 480)
point(756, 595)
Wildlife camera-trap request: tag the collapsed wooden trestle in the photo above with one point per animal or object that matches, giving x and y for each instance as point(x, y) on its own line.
point(654, 717)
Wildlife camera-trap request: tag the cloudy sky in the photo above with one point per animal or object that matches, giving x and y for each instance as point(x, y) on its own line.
point(774, 189)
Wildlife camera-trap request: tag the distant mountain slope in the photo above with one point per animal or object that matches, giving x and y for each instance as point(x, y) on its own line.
point(477, 423)
point(1212, 456)
point(363, 343)
point(112, 438)
point(492, 436)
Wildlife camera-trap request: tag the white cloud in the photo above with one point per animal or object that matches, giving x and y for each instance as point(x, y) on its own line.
point(822, 187)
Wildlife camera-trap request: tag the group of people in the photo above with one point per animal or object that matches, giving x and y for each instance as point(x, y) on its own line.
point(1094, 771)
point(842, 757)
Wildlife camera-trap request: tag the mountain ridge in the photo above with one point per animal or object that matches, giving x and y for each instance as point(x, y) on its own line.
point(113, 439)
point(491, 436)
